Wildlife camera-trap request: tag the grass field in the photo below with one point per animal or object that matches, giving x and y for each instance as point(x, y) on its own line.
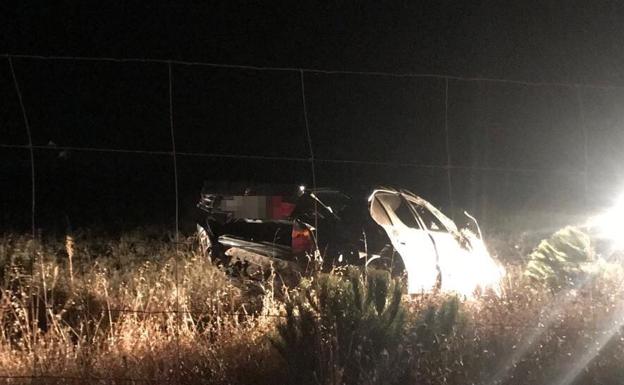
point(139, 309)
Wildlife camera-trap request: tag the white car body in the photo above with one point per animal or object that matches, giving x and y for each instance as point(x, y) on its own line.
point(435, 253)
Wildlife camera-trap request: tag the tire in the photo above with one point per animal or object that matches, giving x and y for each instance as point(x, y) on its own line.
point(388, 260)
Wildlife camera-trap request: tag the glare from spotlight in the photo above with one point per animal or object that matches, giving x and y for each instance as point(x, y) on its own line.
point(610, 224)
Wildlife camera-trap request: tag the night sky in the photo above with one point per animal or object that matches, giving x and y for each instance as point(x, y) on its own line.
point(515, 148)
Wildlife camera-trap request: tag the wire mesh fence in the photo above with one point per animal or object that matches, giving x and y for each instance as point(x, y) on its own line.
point(109, 140)
point(463, 142)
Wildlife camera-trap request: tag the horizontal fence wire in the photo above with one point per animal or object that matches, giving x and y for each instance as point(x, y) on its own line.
point(303, 159)
point(317, 71)
point(79, 378)
point(156, 312)
point(255, 315)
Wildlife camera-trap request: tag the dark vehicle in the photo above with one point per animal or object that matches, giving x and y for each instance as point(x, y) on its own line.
point(301, 226)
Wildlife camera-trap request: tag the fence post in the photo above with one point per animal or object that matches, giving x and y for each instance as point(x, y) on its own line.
point(448, 149)
point(177, 224)
point(34, 326)
point(579, 98)
point(311, 148)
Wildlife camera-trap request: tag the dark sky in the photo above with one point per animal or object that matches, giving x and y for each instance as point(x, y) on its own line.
point(534, 40)
point(125, 106)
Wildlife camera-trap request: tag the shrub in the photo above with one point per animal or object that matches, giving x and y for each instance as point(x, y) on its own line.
point(559, 262)
point(343, 328)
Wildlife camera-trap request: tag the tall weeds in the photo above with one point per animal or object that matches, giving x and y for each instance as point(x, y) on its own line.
point(113, 314)
point(117, 316)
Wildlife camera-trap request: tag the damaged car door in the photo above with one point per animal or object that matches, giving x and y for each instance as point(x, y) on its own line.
point(392, 212)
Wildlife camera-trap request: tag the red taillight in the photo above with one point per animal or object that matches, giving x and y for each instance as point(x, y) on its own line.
point(301, 240)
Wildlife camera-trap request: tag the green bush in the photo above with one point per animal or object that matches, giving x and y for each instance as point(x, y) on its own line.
point(343, 328)
point(559, 262)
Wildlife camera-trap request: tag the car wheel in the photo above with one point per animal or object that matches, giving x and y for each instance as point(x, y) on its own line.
point(389, 260)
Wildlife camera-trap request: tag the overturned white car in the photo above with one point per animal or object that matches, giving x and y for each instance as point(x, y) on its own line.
point(435, 253)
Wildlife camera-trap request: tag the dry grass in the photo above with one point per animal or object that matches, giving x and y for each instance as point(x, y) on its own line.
point(125, 313)
point(119, 310)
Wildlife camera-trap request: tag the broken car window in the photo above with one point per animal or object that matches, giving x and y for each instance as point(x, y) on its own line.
point(430, 220)
point(394, 206)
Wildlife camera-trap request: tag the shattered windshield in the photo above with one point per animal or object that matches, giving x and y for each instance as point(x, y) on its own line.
point(430, 221)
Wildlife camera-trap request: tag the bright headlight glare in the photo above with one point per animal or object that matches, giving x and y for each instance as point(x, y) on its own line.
point(610, 224)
